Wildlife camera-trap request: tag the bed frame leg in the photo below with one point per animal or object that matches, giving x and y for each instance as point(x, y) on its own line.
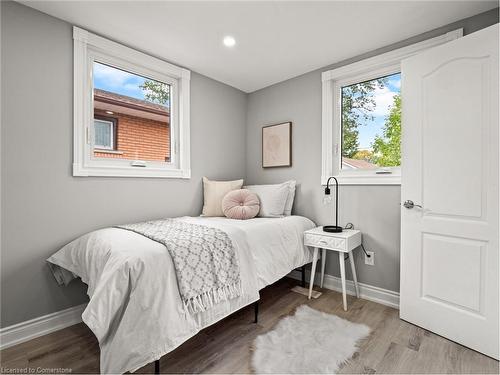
point(157, 366)
point(256, 311)
point(303, 281)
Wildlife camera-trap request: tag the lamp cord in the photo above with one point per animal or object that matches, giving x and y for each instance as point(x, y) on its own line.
point(351, 226)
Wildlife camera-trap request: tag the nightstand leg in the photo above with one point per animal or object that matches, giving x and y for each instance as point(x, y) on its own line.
point(353, 270)
point(342, 276)
point(313, 271)
point(323, 262)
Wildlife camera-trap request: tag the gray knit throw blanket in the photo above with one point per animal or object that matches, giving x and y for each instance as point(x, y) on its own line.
point(204, 259)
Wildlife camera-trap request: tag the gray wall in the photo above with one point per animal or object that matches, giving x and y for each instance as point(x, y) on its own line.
point(373, 209)
point(44, 207)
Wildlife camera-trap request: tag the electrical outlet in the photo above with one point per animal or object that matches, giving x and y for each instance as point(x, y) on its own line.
point(371, 260)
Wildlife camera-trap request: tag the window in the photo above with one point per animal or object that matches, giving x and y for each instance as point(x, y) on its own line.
point(103, 134)
point(361, 117)
point(142, 108)
point(131, 112)
point(371, 124)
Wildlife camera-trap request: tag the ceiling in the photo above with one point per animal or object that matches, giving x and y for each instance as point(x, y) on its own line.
point(274, 40)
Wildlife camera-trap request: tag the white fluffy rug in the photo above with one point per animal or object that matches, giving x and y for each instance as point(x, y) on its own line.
point(308, 342)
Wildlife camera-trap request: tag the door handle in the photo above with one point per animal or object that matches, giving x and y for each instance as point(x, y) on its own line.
point(409, 204)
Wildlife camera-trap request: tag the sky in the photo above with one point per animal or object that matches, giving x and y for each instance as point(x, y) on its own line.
point(118, 81)
point(384, 98)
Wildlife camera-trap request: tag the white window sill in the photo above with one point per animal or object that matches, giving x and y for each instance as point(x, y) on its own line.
point(107, 151)
point(365, 180)
point(97, 171)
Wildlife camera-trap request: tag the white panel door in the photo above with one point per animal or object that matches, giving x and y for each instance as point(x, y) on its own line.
point(449, 246)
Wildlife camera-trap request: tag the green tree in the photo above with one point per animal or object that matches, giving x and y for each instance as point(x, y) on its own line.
point(387, 148)
point(156, 92)
point(357, 104)
point(363, 155)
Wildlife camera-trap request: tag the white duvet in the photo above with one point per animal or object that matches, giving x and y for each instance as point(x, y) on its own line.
point(135, 309)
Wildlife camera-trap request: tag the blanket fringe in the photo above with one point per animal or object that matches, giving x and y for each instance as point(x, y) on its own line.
point(206, 300)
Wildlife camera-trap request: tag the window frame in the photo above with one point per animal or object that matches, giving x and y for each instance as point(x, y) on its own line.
point(88, 48)
point(332, 83)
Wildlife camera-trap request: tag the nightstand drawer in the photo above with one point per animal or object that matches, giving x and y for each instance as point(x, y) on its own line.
point(324, 241)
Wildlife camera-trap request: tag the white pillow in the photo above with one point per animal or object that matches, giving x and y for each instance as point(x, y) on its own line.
point(287, 211)
point(272, 198)
point(213, 192)
point(290, 198)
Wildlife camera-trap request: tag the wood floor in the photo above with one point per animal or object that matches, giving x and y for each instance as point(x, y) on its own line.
point(394, 346)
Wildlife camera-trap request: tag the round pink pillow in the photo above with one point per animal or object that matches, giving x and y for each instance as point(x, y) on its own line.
point(240, 204)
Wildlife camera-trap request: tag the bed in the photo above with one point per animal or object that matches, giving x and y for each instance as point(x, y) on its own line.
point(135, 309)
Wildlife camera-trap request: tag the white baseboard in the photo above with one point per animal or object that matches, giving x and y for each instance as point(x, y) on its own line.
point(43, 325)
point(368, 292)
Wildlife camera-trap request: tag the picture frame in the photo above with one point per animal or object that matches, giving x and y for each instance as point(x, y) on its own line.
point(277, 145)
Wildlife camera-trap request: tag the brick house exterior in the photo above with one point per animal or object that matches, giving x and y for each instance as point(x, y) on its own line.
point(141, 128)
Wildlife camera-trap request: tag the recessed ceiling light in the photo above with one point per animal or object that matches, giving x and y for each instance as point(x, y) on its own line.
point(110, 113)
point(229, 41)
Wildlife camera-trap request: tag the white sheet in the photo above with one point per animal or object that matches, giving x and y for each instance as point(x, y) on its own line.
point(135, 309)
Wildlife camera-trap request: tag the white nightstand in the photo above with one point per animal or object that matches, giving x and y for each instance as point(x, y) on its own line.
point(343, 242)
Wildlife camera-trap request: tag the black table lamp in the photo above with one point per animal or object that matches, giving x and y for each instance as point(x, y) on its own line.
point(333, 228)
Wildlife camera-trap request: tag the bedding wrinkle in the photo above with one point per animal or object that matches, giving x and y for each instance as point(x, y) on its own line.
point(116, 317)
point(117, 287)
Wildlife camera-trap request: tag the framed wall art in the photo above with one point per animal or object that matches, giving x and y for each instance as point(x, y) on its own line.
point(277, 145)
